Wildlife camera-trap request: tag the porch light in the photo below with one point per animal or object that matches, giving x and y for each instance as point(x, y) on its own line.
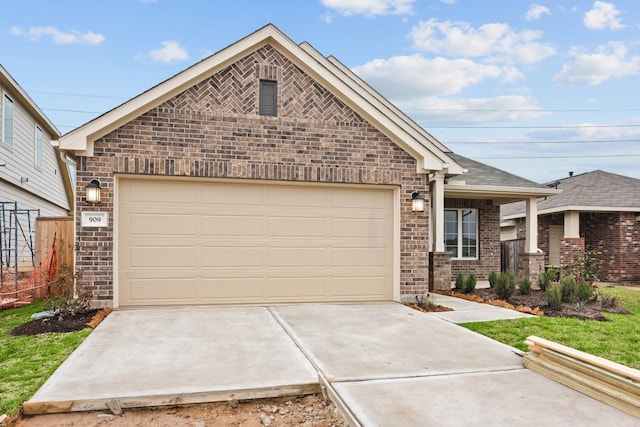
point(417, 202)
point(93, 191)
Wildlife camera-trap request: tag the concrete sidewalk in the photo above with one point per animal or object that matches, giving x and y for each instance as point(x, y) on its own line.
point(382, 364)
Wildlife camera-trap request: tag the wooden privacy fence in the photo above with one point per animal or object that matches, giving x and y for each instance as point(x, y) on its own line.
point(57, 232)
point(509, 254)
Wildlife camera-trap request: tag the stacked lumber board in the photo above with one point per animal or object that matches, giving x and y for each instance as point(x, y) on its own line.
point(602, 379)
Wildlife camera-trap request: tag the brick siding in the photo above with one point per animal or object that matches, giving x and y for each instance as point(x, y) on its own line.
point(211, 130)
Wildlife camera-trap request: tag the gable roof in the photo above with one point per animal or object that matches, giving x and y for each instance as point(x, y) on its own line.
point(344, 84)
point(484, 181)
point(592, 191)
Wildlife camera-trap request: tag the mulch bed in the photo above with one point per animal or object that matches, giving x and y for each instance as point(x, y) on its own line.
point(55, 324)
point(592, 310)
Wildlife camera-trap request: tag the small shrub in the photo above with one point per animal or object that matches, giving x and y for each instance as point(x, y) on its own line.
point(525, 286)
point(506, 285)
point(585, 266)
point(459, 281)
point(607, 300)
point(469, 284)
point(569, 288)
point(584, 292)
point(493, 278)
point(60, 296)
point(547, 277)
point(554, 295)
point(581, 304)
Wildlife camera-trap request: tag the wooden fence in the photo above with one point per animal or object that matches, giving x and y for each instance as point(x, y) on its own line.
point(509, 254)
point(58, 230)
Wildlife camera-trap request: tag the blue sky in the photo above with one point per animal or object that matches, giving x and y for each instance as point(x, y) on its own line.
point(535, 88)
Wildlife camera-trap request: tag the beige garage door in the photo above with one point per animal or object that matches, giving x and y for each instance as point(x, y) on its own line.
point(196, 242)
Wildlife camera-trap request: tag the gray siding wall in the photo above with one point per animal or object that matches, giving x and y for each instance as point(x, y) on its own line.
point(45, 183)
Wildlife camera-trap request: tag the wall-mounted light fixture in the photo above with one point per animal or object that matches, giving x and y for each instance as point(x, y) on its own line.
point(93, 191)
point(417, 202)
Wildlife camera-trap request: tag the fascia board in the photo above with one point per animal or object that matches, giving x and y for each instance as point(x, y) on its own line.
point(578, 209)
point(499, 191)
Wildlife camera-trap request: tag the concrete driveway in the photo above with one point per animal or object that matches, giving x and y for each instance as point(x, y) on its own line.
point(382, 364)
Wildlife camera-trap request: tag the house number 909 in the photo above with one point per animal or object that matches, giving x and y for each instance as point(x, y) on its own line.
point(95, 219)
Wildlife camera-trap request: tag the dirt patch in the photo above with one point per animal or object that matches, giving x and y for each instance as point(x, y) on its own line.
point(592, 310)
point(305, 411)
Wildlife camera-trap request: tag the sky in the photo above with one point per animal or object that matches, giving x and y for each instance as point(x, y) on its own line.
point(538, 89)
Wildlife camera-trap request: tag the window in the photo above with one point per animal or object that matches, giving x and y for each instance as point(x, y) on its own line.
point(37, 148)
point(461, 232)
point(268, 98)
point(7, 121)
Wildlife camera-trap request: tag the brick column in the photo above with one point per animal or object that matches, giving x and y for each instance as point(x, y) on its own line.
point(530, 265)
point(569, 248)
point(439, 271)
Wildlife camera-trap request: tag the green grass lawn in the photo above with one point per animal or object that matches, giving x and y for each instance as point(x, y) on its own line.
point(27, 361)
point(617, 340)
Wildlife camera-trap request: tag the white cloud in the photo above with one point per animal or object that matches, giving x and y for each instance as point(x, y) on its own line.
point(407, 77)
point(608, 62)
point(370, 7)
point(170, 51)
point(536, 11)
point(58, 37)
point(434, 110)
point(603, 16)
point(495, 41)
point(448, 1)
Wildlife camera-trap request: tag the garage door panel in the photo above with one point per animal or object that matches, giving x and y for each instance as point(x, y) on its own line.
point(357, 227)
point(162, 224)
point(162, 256)
point(141, 191)
point(292, 288)
point(239, 242)
point(222, 194)
point(297, 257)
point(353, 198)
point(374, 286)
point(232, 288)
point(357, 257)
point(167, 289)
point(232, 225)
point(232, 256)
point(297, 226)
point(296, 197)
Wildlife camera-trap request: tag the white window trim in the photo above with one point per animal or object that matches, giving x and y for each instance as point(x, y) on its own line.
point(459, 232)
point(35, 146)
point(2, 118)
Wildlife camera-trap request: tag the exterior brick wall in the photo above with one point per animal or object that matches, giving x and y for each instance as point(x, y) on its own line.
point(212, 130)
point(489, 239)
point(615, 237)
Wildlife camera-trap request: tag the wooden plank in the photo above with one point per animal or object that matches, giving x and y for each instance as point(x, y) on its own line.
point(534, 363)
point(594, 373)
point(129, 402)
point(600, 362)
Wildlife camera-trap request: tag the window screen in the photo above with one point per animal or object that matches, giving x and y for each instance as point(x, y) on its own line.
point(268, 98)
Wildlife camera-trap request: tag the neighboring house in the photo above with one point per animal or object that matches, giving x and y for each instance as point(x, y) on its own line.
point(597, 211)
point(34, 178)
point(269, 173)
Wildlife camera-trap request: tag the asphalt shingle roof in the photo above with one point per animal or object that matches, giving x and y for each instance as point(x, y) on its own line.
point(597, 189)
point(481, 174)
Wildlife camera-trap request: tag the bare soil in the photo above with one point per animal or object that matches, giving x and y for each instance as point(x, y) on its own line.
point(304, 411)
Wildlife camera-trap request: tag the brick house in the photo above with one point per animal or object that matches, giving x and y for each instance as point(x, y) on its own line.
point(269, 173)
point(597, 211)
